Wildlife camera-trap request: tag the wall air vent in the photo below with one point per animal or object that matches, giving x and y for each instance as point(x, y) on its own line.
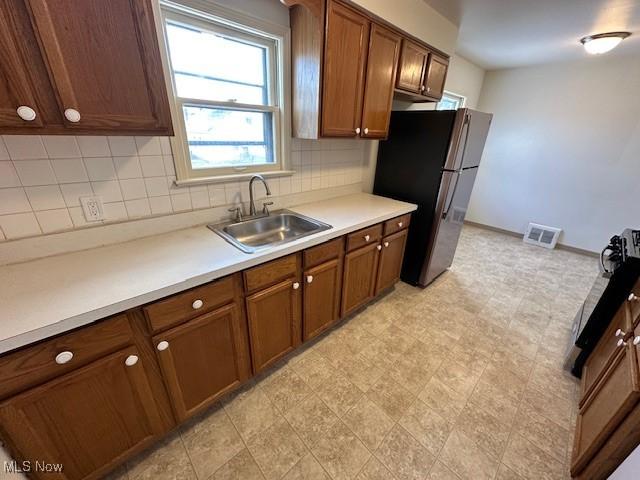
point(542, 235)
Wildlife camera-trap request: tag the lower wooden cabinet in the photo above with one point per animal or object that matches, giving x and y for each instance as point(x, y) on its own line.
point(391, 257)
point(360, 269)
point(608, 423)
point(274, 322)
point(88, 420)
point(203, 359)
point(93, 397)
point(322, 287)
point(612, 399)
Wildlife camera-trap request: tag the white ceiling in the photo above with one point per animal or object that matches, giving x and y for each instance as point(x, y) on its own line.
point(511, 33)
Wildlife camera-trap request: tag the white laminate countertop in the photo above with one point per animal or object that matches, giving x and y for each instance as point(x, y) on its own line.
point(48, 296)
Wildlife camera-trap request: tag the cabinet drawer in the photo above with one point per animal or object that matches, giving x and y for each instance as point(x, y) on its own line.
point(364, 237)
point(36, 364)
point(323, 253)
point(184, 306)
point(615, 395)
point(396, 224)
point(264, 276)
point(604, 352)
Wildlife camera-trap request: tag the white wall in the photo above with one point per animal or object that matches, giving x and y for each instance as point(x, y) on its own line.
point(418, 19)
point(563, 149)
point(465, 78)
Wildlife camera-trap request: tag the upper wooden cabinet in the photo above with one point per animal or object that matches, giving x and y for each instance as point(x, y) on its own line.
point(421, 73)
point(345, 57)
point(344, 64)
point(436, 76)
point(103, 70)
point(384, 50)
point(412, 67)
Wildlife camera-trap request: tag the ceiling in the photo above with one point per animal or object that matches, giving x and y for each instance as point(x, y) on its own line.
point(512, 33)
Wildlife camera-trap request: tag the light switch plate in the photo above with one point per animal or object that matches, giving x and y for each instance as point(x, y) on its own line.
point(92, 208)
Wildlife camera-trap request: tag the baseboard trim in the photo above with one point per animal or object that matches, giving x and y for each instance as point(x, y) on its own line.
point(511, 233)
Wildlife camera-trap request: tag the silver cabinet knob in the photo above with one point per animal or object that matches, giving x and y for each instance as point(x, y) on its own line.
point(358, 130)
point(636, 341)
point(367, 238)
point(296, 285)
point(428, 89)
point(64, 357)
point(72, 115)
point(400, 224)
point(366, 131)
point(621, 343)
point(163, 345)
point(27, 114)
point(386, 244)
point(379, 247)
point(309, 278)
point(633, 297)
point(131, 360)
point(620, 333)
point(197, 304)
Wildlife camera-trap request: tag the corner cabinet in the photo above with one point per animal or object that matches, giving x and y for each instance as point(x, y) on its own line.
point(95, 65)
point(344, 64)
point(88, 420)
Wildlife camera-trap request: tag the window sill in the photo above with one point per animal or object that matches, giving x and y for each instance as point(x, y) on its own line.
point(234, 177)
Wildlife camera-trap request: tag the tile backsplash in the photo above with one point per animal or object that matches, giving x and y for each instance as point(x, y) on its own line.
point(43, 177)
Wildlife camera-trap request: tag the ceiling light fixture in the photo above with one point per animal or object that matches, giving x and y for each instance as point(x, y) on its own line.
point(602, 42)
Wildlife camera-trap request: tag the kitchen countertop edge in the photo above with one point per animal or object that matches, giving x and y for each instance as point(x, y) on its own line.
point(393, 208)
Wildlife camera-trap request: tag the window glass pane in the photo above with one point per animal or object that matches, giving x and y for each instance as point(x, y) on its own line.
point(223, 138)
point(450, 102)
point(211, 66)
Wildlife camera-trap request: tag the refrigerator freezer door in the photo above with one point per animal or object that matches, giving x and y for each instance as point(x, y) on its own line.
point(450, 224)
point(473, 138)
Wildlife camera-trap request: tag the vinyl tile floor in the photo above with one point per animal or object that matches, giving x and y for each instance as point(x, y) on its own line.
point(462, 380)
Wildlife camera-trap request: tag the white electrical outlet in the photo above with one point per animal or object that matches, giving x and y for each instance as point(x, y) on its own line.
point(92, 208)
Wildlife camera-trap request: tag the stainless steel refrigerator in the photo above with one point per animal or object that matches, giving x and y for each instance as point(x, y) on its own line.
point(431, 158)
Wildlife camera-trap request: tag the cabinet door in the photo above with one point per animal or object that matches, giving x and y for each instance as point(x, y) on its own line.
point(274, 322)
point(436, 76)
point(391, 257)
point(616, 394)
point(605, 351)
point(411, 69)
point(16, 89)
point(104, 62)
point(384, 50)
point(359, 278)
point(321, 299)
point(345, 55)
point(203, 359)
point(88, 420)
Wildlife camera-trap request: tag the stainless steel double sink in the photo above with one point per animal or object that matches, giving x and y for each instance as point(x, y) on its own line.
point(267, 231)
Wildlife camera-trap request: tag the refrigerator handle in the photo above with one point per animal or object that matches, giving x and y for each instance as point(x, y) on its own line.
point(453, 194)
point(464, 151)
point(467, 123)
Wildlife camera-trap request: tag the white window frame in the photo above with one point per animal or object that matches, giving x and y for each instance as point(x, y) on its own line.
point(209, 16)
point(462, 98)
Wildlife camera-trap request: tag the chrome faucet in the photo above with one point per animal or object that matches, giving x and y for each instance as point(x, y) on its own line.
point(252, 205)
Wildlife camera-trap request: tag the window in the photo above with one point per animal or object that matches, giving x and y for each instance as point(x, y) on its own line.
point(228, 84)
point(451, 101)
